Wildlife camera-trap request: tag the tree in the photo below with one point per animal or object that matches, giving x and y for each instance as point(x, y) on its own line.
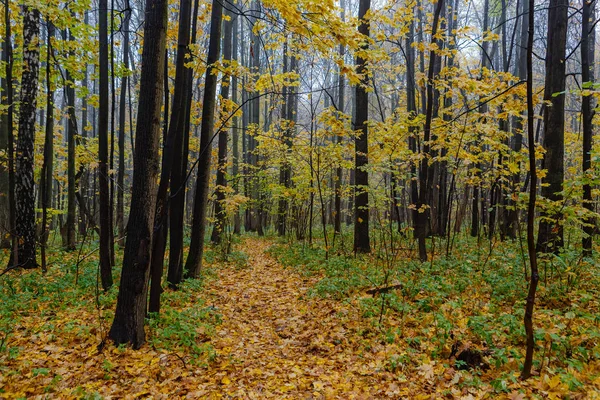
point(587, 77)
point(194, 261)
point(220, 213)
point(361, 144)
point(7, 170)
point(550, 235)
point(528, 318)
point(171, 156)
point(71, 137)
point(47, 166)
point(423, 214)
point(24, 250)
point(128, 324)
point(104, 200)
point(120, 214)
point(337, 224)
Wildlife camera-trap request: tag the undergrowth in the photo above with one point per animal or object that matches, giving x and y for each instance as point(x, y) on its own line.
point(474, 296)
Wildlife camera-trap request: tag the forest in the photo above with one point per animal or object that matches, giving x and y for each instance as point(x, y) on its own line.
point(299, 199)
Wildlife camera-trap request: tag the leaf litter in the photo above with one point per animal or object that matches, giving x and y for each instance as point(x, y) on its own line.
point(260, 335)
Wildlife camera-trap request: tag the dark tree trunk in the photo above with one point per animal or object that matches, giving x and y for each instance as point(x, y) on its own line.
point(120, 212)
point(411, 108)
point(423, 213)
point(550, 234)
point(84, 180)
point(177, 127)
point(236, 126)
point(47, 165)
point(7, 176)
point(477, 197)
point(221, 183)
point(510, 228)
point(255, 216)
point(194, 260)
point(71, 137)
point(288, 113)
point(528, 318)
point(178, 184)
point(587, 77)
point(128, 324)
point(104, 200)
point(339, 172)
point(24, 249)
point(361, 145)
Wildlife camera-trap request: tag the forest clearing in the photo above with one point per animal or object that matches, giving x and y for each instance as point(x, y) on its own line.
point(299, 199)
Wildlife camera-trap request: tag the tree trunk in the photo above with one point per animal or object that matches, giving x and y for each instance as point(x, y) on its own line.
point(7, 176)
point(550, 235)
point(236, 125)
point(194, 260)
point(47, 165)
point(423, 213)
point(128, 324)
point(120, 212)
point(178, 184)
point(24, 249)
point(361, 145)
point(528, 318)
point(221, 183)
point(104, 200)
point(71, 137)
point(339, 172)
point(587, 77)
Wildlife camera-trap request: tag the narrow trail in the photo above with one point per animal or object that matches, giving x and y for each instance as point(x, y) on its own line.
point(275, 342)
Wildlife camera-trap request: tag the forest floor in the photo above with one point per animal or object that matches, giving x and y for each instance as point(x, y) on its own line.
point(251, 329)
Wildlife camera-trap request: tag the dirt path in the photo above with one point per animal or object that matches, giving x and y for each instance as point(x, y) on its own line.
point(276, 343)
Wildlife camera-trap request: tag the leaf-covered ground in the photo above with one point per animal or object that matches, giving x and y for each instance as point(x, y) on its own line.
point(255, 329)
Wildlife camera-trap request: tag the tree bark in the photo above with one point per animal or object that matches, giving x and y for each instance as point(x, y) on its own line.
point(528, 318)
point(120, 212)
point(7, 176)
point(361, 144)
point(71, 137)
point(24, 249)
point(587, 77)
point(221, 183)
point(128, 324)
point(194, 260)
point(550, 235)
point(104, 200)
point(423, 213)
point(47, 165)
